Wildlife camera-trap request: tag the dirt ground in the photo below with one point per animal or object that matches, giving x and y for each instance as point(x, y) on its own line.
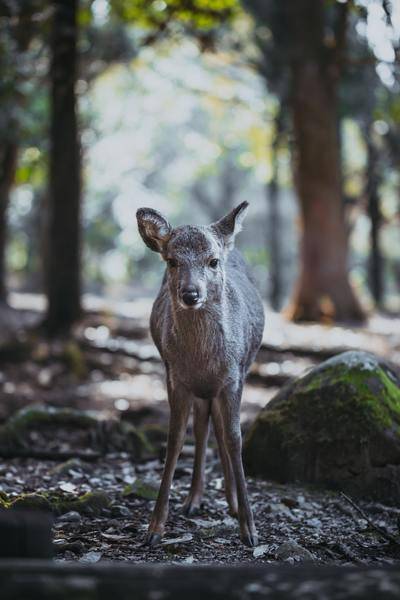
point(111, 367)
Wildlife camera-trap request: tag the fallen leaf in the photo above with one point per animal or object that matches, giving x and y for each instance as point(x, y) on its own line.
point(260, 550)
point(90, 557)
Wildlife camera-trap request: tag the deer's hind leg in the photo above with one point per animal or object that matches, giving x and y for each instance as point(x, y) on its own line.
point(228, 406)
point(201, 420)
point(229, 479)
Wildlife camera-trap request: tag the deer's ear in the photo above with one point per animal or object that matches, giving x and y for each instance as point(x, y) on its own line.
point(231, 224)
point(154, 228)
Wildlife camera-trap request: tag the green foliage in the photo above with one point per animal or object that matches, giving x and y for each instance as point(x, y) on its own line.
point(196, 14)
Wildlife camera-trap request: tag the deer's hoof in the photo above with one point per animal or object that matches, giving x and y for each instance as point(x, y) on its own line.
point(153, 539)
point(191, 507)
point(249, 538)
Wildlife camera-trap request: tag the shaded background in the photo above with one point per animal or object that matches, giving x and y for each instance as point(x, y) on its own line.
point(191, 108)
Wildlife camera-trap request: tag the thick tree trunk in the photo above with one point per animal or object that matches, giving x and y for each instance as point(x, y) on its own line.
point(375, 259)
point(63, 258)
point(8, 160)
point(323, 291)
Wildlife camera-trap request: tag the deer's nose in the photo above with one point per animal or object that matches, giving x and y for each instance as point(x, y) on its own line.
point(190, 296)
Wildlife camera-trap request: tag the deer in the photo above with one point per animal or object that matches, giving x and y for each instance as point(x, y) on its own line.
point(207, 323)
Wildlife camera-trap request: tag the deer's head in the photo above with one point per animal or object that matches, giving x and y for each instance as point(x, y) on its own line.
point(195, 255)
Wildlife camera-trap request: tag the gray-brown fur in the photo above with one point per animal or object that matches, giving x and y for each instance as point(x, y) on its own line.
point(207, 346)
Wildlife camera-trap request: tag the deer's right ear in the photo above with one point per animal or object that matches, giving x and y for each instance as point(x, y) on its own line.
point(154, 228)
point(230, 225)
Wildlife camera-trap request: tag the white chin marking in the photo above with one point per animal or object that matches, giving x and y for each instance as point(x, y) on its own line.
point(191, 307)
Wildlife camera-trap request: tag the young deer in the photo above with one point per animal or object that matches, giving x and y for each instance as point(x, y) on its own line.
point(207, 323)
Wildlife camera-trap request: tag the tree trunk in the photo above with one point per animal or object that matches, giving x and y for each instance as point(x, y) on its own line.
point(63, 251)
point(8, 160)
point(274, 241)
point(375, 259)
point(323, 291)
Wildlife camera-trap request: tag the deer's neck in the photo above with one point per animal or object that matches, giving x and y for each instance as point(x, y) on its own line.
point(202, 325)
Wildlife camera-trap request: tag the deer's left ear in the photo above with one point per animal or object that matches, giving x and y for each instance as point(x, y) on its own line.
point(230, 225)
point(154, 228)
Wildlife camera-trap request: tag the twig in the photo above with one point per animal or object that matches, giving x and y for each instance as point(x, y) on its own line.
point(385, 534)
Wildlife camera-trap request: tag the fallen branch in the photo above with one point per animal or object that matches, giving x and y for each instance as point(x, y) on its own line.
point(385, 534)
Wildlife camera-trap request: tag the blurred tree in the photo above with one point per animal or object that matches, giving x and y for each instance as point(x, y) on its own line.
point(374, 211)
point(358, 100)
point(274, 217)
point(17, 30)
point(63, 258)
point(309, 38)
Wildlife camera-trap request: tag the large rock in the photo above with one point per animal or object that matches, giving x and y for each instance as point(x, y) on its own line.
point(339, 425)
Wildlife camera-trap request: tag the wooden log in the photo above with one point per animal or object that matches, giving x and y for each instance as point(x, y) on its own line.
point(20, 580)
point(25, 534)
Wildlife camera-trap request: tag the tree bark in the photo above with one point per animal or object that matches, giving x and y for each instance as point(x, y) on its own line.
point(63, 251)
point(323, 291)
point(8, 160)
point(274, 241)
point(375, 259)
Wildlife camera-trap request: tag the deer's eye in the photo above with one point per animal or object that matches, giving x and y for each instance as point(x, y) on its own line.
point(214, 263)
point(172, 263)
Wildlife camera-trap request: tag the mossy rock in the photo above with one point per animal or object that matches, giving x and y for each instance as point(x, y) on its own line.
point(15, 432)
point(91, 503)
point(125, 437)
point(156, 434)
point(339, 426)
point(100, 434)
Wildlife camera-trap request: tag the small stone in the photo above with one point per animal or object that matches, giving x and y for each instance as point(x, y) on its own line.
point(71, 517)
point(66, 486)
point(120, 511)
point(290, 502)
point(292, 551)
point(314, 522)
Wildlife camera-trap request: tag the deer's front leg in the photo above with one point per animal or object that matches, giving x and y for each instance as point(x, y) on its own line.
point(228, 405)
point(180, 403)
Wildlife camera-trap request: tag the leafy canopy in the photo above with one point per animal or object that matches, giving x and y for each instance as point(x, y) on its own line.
point(196, 14)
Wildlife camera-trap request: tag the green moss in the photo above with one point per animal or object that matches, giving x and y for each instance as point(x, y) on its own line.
point(91, 503)
point(141, 489)
point(32, 502)
point(74, 358)
point(37, 415)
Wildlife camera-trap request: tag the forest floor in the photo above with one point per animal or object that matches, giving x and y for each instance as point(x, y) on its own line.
point(112, 369)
